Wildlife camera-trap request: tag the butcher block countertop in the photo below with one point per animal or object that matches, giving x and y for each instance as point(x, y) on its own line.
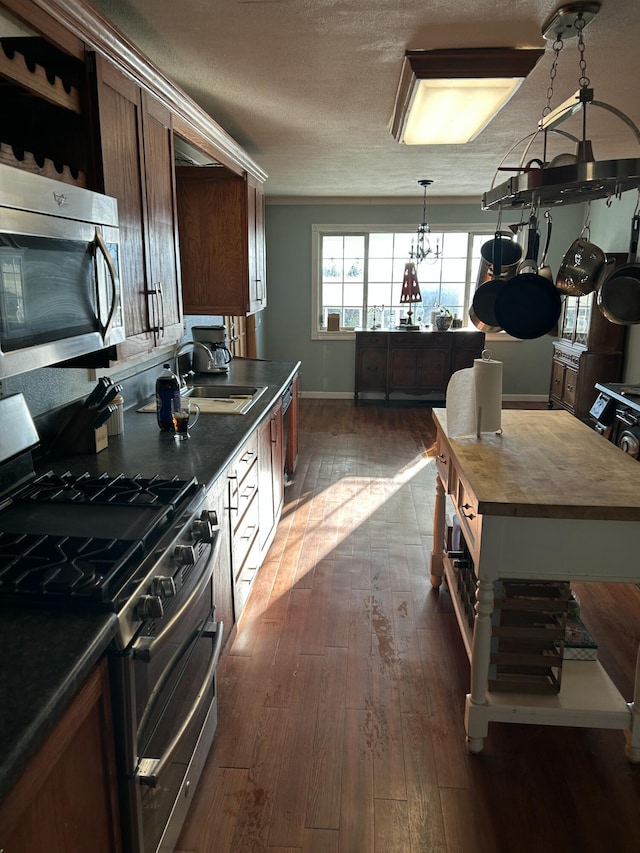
point(545, 464)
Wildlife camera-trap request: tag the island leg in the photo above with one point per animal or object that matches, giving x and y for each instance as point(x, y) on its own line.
point(476, 719)
point(439, 521)
point(633, 746)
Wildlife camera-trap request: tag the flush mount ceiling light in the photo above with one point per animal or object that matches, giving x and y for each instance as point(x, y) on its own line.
point(449, 96)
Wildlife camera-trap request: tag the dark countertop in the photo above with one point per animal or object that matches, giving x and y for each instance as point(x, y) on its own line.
point(48, 654)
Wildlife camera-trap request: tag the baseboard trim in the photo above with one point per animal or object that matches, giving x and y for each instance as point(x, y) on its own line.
point(348, 395)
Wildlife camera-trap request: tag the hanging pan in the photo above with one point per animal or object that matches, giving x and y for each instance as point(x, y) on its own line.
point(528, 306)
point(482, 310)
point(582, 265)
point(619, 292)
point(499, 259)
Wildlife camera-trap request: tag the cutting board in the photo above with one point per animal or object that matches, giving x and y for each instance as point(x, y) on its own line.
point(213, 405)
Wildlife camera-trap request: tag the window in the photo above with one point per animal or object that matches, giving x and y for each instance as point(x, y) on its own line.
point(358, 271)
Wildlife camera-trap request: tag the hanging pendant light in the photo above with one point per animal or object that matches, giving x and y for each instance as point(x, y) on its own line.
point(423, 249)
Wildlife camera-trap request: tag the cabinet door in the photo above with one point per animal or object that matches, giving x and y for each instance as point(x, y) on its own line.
point(403, 368)
point(162, 232)
point(223, 578)
point(557, 381)
point(120, 113)
point(256, 248)
point(137, 165)
point(569, 387)
point(221, 228)
point(371, 369)
point(270, 474)
point(66, 799)
point(433, 368)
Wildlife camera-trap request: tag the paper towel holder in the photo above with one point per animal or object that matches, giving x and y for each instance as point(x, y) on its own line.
point(486, 356)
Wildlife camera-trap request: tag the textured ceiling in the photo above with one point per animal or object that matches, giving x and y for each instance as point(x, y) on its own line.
point(307, 87)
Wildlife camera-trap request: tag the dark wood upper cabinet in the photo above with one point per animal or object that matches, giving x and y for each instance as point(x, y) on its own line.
point(221, 237)
point(136, 154)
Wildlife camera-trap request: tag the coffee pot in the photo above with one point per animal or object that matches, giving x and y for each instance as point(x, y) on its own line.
point(215, 339)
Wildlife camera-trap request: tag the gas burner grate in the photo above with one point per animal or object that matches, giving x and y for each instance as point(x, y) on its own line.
point(62, 565)
point(104, 489)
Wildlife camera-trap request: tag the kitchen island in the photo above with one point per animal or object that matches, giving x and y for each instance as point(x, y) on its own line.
point(547, 500)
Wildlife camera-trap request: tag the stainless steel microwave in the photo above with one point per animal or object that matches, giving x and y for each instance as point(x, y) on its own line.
point(60, 291)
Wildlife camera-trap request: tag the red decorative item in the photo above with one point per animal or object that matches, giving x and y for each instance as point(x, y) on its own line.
point(410, 291)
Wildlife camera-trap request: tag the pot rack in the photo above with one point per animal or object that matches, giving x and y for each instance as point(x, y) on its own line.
point(566, 179)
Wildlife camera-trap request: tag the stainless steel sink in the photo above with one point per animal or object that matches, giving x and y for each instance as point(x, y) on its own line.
point(220, 391)
point(225, 399)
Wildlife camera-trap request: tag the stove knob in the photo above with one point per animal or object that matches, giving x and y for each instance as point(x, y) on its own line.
point(163, 587)
point(202, 530)
point(150, 607)
point(209, 515)
point(184, 555)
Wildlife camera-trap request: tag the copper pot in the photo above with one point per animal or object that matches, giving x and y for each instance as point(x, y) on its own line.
point(580, 269)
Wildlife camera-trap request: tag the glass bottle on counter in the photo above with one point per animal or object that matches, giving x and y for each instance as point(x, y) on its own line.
point(167, 389)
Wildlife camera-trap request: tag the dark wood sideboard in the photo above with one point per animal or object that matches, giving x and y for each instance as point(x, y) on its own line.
point(412, 363)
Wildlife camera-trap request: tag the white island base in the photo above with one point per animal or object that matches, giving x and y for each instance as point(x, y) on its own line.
point(542, 530)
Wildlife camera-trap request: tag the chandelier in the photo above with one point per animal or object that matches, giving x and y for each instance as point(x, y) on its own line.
point(422, 249)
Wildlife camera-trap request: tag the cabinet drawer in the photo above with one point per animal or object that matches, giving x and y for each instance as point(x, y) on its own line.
point(247, 576)
point(467, 514)
point(443, 462)
point(241, 493)
point(244, 536)
point(371, 340)
point(245, 458)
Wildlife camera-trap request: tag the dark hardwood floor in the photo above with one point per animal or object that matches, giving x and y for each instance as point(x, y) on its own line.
point(341, 698)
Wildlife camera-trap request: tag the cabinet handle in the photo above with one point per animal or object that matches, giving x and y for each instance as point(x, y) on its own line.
point(556, 381)
point(161, 301)
point(442, 458)
point(469, 515)
point(569, 387)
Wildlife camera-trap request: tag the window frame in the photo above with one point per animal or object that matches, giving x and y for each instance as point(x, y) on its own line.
point(318, 230)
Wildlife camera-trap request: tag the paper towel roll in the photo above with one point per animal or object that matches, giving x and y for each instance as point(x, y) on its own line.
point(474, 399)
point(488, 390)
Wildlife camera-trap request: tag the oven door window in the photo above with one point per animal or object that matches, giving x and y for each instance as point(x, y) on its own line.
point(47, 290)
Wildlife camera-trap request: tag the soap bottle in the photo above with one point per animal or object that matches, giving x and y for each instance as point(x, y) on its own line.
point(167, 389)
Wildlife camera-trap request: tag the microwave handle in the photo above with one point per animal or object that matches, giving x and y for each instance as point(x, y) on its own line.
point(102, 246)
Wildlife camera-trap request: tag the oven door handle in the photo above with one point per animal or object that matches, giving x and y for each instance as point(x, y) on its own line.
point(145, 648)
point(151, 769)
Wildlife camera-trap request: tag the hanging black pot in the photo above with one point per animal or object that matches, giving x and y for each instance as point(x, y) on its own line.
point(528, 305)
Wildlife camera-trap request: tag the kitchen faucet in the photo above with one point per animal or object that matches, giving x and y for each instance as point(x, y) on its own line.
point(183, 346)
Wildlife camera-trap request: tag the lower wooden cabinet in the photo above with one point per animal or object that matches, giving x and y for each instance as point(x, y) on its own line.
point(270, 475)
point(66, 799)
point(412, 362)
point(574, 373)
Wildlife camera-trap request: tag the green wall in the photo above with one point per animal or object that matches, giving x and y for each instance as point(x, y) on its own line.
point(328, 366)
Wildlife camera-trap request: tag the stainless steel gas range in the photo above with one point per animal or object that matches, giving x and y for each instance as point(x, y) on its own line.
point(616, 415)
point(147, 549)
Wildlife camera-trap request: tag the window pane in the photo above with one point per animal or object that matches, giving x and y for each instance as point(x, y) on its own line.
point(380, 245)
point(363, 271)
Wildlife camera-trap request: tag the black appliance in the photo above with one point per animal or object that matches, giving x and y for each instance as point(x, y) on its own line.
point(146, 548)
point(616, 415)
